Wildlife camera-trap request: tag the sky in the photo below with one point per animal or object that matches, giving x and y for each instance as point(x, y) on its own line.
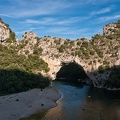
point(69, 19)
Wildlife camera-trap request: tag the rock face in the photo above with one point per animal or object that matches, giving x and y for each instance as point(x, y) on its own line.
point(32, 37)
point(111, 29)
point(95, 56)
point(28, 41)
point(7, 36)
point(4, 31)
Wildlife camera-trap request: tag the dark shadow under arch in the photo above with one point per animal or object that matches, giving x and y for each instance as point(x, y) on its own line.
point(72, 72)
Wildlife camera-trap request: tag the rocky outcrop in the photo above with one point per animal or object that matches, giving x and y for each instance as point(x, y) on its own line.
point(31, 37)
point(7, 36)
point(112, 29)
point(4, 31)
point(28, 41)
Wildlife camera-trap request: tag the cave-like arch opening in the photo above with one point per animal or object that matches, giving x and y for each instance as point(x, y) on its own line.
point(72, 73)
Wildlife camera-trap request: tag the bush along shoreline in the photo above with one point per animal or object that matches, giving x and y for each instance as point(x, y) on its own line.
point(14, 81)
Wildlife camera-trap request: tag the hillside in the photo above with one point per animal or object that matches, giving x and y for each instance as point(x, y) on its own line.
point(45, 55)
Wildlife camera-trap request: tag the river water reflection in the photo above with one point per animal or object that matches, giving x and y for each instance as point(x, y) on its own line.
point(85, 103)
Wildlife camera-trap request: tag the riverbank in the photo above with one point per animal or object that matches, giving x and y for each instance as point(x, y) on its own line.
point(20, 105)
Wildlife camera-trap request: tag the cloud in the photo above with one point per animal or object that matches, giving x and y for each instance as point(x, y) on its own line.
point(67, 30)
point(99, 1)
point(42, 21)
point(107, 18)
point(102, 11)
point(55, 21)
point(5, 15)
point(73, 33)
point(71, 20)
point(26, 8)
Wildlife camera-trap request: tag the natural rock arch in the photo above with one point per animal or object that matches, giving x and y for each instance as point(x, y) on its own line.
point(56, 64)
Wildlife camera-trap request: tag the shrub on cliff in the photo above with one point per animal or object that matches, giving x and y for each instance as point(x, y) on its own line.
point(101, 69)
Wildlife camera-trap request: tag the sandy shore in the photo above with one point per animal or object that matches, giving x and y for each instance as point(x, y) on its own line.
point(16, 106)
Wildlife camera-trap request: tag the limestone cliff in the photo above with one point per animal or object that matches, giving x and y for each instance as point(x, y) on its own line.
point(4, 31)
point(7, 36)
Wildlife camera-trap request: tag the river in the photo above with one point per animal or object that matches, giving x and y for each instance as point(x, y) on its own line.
point(84, 103)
